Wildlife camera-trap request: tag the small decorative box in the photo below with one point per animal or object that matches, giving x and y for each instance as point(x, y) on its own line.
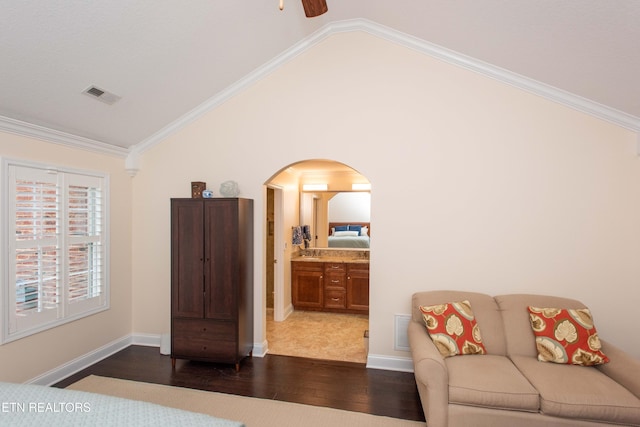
point(197, 188)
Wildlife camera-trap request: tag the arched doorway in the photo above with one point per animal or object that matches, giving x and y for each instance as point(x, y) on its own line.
point(290, 203)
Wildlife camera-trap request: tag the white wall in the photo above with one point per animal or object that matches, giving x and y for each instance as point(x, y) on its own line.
point(476, 185)
point(350, 206)
point(28, 358)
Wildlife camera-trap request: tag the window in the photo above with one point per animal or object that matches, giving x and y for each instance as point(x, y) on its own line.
point(56, 231)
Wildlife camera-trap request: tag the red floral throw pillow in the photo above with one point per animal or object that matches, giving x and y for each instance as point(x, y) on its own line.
point(566, 336)
point(453, 328)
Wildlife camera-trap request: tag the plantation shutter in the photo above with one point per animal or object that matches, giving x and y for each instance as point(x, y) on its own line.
point(35, 247)
point(85, 248)
point(56, 257)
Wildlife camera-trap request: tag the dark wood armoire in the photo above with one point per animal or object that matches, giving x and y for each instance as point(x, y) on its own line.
point(212, 279)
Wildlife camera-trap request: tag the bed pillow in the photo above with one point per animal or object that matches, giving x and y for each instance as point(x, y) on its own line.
point(340, 228)
point(364, 231)
point(566, 336)
point(453, 328)
point(345, 233)
point(357, 228)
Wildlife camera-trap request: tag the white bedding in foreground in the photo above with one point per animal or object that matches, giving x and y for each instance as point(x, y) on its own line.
point(34, 405)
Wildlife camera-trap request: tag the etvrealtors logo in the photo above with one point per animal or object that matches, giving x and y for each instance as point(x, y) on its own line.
point(45, 407)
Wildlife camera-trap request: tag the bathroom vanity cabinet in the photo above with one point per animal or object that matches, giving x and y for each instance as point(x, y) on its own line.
point(333, 286)
point(358, 287)
point(307, 285)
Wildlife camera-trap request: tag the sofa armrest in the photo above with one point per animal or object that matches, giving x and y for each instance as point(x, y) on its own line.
point(622, 367)
point(431, 375)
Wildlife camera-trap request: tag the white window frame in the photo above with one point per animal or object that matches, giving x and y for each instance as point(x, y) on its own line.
point(14, 325)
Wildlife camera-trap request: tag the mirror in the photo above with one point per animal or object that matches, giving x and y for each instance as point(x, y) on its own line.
point(343, 214)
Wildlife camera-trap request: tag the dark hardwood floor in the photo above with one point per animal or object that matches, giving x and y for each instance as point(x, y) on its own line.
point(340, 385)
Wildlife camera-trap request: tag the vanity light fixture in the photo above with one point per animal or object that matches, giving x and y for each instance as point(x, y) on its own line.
point(315, 187)
point(361, 187)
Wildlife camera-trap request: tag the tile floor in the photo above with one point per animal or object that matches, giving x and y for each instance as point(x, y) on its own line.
point(317, 335)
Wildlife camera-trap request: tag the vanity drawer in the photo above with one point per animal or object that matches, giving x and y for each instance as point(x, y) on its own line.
point(335, 280)
point(335, 298)
point(334, 267)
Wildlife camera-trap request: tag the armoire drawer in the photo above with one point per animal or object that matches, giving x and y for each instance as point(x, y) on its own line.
point(203, 338)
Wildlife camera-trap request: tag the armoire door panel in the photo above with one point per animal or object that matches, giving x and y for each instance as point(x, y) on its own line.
point(187, 259)
point(221, 248)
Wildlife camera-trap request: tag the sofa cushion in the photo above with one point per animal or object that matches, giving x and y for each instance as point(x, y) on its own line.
point(485, 310)
point(566, 336)
point(453, 328)
point(490, 381)
point(578, 392)
point(519, 336)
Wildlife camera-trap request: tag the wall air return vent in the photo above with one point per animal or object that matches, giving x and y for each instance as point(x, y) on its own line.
point(101, 95)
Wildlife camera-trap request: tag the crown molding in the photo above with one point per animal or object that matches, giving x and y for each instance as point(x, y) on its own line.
point(132, 155)
point(30, 130)
point(549, 92)
point(505, 76)
point(237, 87)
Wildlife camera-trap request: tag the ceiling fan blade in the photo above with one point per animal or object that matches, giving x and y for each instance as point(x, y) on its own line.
point(313, 8)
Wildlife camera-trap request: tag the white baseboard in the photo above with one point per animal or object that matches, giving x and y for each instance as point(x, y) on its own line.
point(375, 361)
point(390, 363)
point(63, 371)
point(154, 340)
point(288, 310)
point(149, 340)
point(260, 349)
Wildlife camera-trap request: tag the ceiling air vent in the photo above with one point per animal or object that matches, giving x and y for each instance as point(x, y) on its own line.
point(101, 95)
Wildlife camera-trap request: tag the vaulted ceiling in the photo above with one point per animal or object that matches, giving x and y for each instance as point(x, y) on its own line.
point(167, 58)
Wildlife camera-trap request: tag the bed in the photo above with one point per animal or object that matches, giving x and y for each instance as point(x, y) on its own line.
point(31, 405)
point(349, 235)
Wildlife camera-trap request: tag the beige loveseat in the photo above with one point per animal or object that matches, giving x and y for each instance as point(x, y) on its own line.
point(508, 386)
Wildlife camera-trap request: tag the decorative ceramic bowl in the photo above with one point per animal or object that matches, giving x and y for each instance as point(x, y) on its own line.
point(229, 189)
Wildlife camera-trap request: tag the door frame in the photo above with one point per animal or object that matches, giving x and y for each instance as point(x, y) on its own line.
point(278, 254)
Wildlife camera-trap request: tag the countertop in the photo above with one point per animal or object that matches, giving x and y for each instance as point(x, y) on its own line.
point(330, 259)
